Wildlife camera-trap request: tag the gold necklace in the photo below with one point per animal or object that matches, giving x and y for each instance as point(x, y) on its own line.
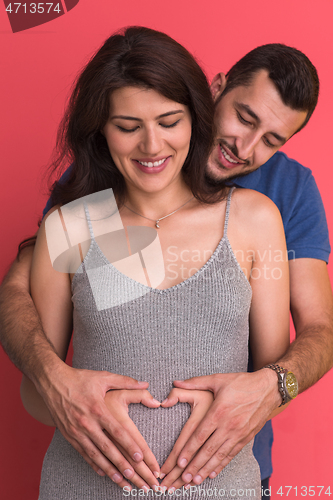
point(161, 218)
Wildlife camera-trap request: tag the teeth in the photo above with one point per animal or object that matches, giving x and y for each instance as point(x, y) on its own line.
point(151, 164)
point(226, 156)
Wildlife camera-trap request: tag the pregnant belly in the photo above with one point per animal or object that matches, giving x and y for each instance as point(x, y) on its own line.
point(160, 427)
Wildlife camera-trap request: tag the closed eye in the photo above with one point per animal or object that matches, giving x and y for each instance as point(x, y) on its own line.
point(171, 124)
point(126, 129)
point(242, 120)
point(269, 144)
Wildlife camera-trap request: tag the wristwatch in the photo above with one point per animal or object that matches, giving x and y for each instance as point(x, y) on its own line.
point(287, 383)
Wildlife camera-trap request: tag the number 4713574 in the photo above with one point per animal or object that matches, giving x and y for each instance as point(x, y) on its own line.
point(33, 8)
point(304, 491)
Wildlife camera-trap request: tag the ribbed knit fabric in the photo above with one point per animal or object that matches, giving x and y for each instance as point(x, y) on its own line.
point(198, 327)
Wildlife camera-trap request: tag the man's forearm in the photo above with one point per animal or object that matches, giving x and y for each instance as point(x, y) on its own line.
point(21, 332)
point(310, 356)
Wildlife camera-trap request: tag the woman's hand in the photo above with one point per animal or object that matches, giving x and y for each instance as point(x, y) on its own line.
point(117, 402)
point(200, 402)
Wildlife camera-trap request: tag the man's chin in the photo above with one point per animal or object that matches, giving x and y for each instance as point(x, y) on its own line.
point(219, 178)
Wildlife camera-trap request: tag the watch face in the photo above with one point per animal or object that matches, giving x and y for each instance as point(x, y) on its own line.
point(291, 385)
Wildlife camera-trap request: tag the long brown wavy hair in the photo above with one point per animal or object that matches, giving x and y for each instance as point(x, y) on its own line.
point(145, 58)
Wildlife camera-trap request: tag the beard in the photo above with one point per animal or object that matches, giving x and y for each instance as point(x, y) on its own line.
point(215, 182)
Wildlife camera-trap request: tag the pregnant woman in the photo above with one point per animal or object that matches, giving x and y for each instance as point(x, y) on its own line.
point(139, 127)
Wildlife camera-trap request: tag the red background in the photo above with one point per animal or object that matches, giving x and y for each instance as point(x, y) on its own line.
point(38, 66)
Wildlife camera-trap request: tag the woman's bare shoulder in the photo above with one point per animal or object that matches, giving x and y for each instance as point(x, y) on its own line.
point(254, 217)
point(253, 207)
point(64, 230)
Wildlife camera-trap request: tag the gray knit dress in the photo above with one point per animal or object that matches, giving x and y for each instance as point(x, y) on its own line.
point(198, 327)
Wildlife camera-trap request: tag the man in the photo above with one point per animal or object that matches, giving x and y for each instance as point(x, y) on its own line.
point(266, 98)
point(253, 116)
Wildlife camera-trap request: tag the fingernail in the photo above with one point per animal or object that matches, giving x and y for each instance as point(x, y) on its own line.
point(101, 472)
point(162, 475)
point(167, 399)
point(188, 478)
point(145, 488)
point(142, 382)
point(155, 401)
point(128, 473)
point(116, 477)
point(212, 475)
point(187, 486)
point(197, 479)
point(171, 490)
point(156, 474)
point(137, 457)
point(183, 463)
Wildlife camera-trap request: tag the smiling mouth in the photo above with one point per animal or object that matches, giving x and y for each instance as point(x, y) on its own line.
point(151, 164)
point(229, 158)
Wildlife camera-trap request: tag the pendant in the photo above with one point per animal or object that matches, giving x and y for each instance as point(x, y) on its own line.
point(156, 224)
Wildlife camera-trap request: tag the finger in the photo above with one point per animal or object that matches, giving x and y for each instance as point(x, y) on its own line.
point(148, 456)
point(120, 434)
point(220, 466)
point(140, 396)
point(143, 476)
point(103, 452)
point(116, 381)
point(201, 434)
point(210, 451)
point(179, 483)
point(171, 400)
point(100, 464)
point(173, 476)
point(204, 383)
point(179, 396)
point(130, 428)
point(187, 431)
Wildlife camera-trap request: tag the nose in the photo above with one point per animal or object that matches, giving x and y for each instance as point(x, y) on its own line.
point(247, 144)
point(151, 142)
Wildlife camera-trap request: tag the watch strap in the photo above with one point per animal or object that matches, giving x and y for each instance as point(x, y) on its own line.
point(280, 374)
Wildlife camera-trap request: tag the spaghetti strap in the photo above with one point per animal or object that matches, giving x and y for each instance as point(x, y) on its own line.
point(88, 220)
point(227, 210)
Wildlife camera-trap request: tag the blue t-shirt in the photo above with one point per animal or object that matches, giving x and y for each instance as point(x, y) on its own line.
point(293, 189)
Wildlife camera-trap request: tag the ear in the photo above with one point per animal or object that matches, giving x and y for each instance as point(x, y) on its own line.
point(218, 85)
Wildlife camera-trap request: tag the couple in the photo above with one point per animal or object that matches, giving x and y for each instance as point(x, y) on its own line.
point(140, 121)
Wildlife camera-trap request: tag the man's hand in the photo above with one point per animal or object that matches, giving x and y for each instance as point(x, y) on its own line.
point(242, 404)
point(200, 402)
point(75, 399)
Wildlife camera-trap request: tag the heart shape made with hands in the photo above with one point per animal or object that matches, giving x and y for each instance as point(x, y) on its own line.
point(199, 401)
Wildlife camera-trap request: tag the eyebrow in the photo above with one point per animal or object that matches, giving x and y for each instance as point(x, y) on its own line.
point(169, 113)
point(249, 111)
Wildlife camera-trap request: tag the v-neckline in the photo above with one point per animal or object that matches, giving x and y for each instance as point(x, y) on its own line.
point(147, 287)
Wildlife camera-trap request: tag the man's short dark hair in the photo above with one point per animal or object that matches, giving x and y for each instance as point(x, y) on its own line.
point(293, 74)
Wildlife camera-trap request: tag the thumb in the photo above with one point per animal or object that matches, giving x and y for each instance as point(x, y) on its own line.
point(148, 400)
point(116, 381)
point(204, 383)
point(140, 396)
